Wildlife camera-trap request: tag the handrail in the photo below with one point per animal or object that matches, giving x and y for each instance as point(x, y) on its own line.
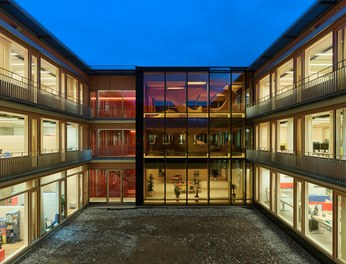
point(16, 166)
point(21, 88)
point(304, 82)
point(325, 167)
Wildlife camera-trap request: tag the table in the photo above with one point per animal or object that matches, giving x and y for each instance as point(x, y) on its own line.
point(324, 220)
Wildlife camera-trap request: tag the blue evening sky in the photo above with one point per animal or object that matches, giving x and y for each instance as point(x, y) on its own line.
point(167, 32)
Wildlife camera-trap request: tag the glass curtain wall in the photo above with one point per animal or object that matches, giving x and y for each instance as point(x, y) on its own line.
point(187, 140)
point(114, 104)
point(13, 135)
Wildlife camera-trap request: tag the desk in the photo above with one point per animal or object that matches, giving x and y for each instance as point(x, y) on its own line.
point(324, 220)
point(285, 199)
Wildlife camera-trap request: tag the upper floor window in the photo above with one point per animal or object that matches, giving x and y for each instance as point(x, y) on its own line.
point(285, 77)
point(319, 58)
point(340, 134)
point(13, 135)
point(319, 134)
point(13, 58)
point(263, 136)
point(72, 89)
point(285, 135)
point(115, 104)
point(49, 136)
point(49, 77)
point(263, 88)
point(72, 136)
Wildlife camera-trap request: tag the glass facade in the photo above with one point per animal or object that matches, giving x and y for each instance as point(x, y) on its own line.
point(191, 135)
point(30, 209)
point(112, 185)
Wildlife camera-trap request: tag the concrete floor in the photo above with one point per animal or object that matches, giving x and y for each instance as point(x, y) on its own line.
point(168, 235)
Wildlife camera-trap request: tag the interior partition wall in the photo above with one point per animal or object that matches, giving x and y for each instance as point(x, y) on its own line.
point(192, 145)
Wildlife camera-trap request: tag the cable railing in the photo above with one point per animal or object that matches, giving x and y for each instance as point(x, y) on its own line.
point(20, 88)
point(15, 166)
point(324, 167)
point(328, 82)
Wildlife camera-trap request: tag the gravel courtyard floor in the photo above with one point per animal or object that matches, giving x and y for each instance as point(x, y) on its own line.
point(168, 235)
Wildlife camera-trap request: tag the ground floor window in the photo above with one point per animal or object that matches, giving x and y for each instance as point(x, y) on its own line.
point(319, 215)
point(49, 206)
point(72, 194)
point(13, 225)
point(112, 185)
point(285, 197)
point(342, 228)
point(300, 204)
point(194, 181)
point(264, 187)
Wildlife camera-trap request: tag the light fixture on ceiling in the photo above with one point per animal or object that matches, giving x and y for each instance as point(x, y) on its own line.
point(196, 83)
point(176, 88)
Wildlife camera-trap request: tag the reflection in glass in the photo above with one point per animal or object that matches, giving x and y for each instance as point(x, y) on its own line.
point(319, 215)
point(264, 185)
point(219, 100)
point(219, 180)
point(50, 202)
point(285, 197)
point(97, 185)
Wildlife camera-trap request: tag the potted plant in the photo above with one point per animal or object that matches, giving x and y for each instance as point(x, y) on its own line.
point(150, 187)
point(177, 192)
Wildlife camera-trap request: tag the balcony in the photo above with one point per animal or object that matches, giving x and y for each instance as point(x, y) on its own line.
point(18, 88)
point(18, 165)
point(324, 167)
point(326, 83)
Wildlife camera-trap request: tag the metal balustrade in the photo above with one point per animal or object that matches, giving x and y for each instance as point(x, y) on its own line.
point(319, 167)
point(19, 88)
point(323, 84)
point(16, 166)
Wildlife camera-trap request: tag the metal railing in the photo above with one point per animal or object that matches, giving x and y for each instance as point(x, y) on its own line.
point(320, 167)
point(327, 82)
point(19, 88)
point(16, 166)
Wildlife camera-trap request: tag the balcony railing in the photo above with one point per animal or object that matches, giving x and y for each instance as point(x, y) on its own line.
point(326, 83)
point(117, 151)
point(321, 167)
point(17, 165)
point(19, 88)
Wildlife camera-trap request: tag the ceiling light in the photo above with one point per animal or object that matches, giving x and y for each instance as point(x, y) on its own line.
point(324, 54)
point(196, 83)
point(14, 53)
point(176, 88)
point(321, 64)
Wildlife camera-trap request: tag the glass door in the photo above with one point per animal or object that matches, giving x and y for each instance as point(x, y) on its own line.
point(115, 187)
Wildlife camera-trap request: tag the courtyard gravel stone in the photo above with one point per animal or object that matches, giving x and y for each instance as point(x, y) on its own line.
point(233, 234)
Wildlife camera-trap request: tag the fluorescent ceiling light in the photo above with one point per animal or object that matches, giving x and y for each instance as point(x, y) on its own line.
point(175, 88)
point(14, 53)
point(196, 83)
point(17, 64)
point(47, 78)
point(324, 54)
point(321, 64)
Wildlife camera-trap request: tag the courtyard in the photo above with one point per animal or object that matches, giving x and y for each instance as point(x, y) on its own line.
point(111, 234)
